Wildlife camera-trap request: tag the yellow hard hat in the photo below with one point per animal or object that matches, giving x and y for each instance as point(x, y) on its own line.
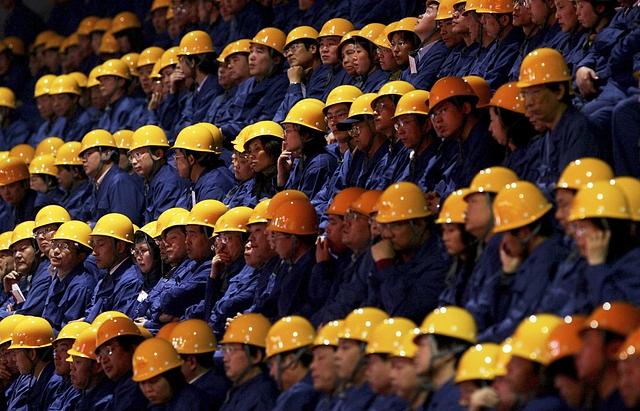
point(405, 24)
point(164, 220)
point(507, 96)
point(450, 321)
point(407, 347)
point(195, 138)
point(53, 43)
point(85, 345)
point(74, 230)
point(109, 44)
point(296, 217)
point(148, 136)
point(159, 4)
point(477, 363)
point(206, 213)
point(153, 357)
point(543, 66)
point(328, 334)
point(299, 33)
point(15, 44)
point(69, 154)
point(271, 37)
point(7, 98)
point(114, 225)
point(630, 186)
point(42, 38)
point(414, 102)
point(258, 215)
point(564, 340)
point(115, 67)
point(131, 60)
point(599, 199)
point(366, 203)
point(86, 25)
point(283, 197)
point(445, 9)
point(169, 57)
point(123, 139)
point(23, 231)
point(24, 151)
point(495, 7)
point(401, 201)
point(5, 241)
point(249, 329)
point(371, 31)
point(104, 316)
point(216, 145)
point(529, 341)
point(72, 330)
point(449, 87)
point(49, 145)
point(149, 56)
point(336, 27)
point(239, 46)
point(7, 325)
point(288, 334)
point(360, 323)
point(116, 327)
point(97, 138)
point(491, 180)
point(32, 332)
point(453, 209)
point(44, 164)
point(481, 88)
point(362, 106)
point(51, 214)
point(393, 88)
point(193, 336)
point(582, 171)
point(344, 94)
point(92, 80)
point(234, 220)
point(125, 20)
point(388, 335)
point(517, 205)
point(196, 42)
point(103, 24)
point(307, 112)
point(13, 169)
point(43, 84)
point(343, 199)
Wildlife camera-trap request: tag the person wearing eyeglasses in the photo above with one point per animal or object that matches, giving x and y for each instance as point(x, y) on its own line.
point(229, 237)
point(163, 185)
point(243, 350)
point(453, 41)
point(116, 341)
point(307, 76)
point(72, 286)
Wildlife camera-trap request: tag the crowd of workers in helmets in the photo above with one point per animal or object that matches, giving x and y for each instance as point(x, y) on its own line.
point(320, 205)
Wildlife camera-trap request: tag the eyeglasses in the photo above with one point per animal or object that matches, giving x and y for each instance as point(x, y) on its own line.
point(43, 232)
point(355, 130)
point(137, 156)
point(281, 237)
point(139, 252)
point(290, 130)
point(292, 48)
point(61, 245)
point(380, 106)
point(353, 216)
point(337, 117)
point(399, 44)
point(531, 92)
point(438, 113)
point(230, 349)
point(382, 50)
point(86, 154)
point(401, 124)
point(103, 352)
point(395, 226)
point(221, 240)
point(521, 3)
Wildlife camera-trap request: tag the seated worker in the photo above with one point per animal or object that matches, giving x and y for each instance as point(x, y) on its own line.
point(194, 340)
point(113, 190)
point(114, 78)
point(197, 159)
point(112, 238)
point(288, 356)
point(43, 177)
point(243, 348)
point(65, 96)
point(324, 372)
point(156, 369)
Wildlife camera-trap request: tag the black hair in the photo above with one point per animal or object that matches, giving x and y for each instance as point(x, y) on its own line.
point(205, 159)
point(459, 101)
point(44, 354)
point(520, 131)
point(205, 62)
point(314, 142)
point(136, 39)
point(456, 345)
point(203, 359)
point(309, 239)
point(566, 97)
point(128, 341)
point(176, 380)
point(308, 42)
point(563, 366)
point(622, 241)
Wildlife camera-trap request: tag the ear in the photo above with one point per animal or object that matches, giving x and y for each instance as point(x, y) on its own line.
point(120, 247)
point(466, 108)
point(313, 49)
point(562, 89)
point(191, 159)
point(427, 126)
point(191, 362)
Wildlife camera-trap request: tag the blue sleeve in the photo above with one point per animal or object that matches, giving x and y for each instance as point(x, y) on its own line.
point(429, 66)
point(176, 300)
point(125, 198)
point(294, 94)
point(126, 293)
point(76, 298)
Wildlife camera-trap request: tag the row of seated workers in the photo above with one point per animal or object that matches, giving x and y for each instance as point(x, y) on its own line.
point(479, 160)
point(484, 306)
